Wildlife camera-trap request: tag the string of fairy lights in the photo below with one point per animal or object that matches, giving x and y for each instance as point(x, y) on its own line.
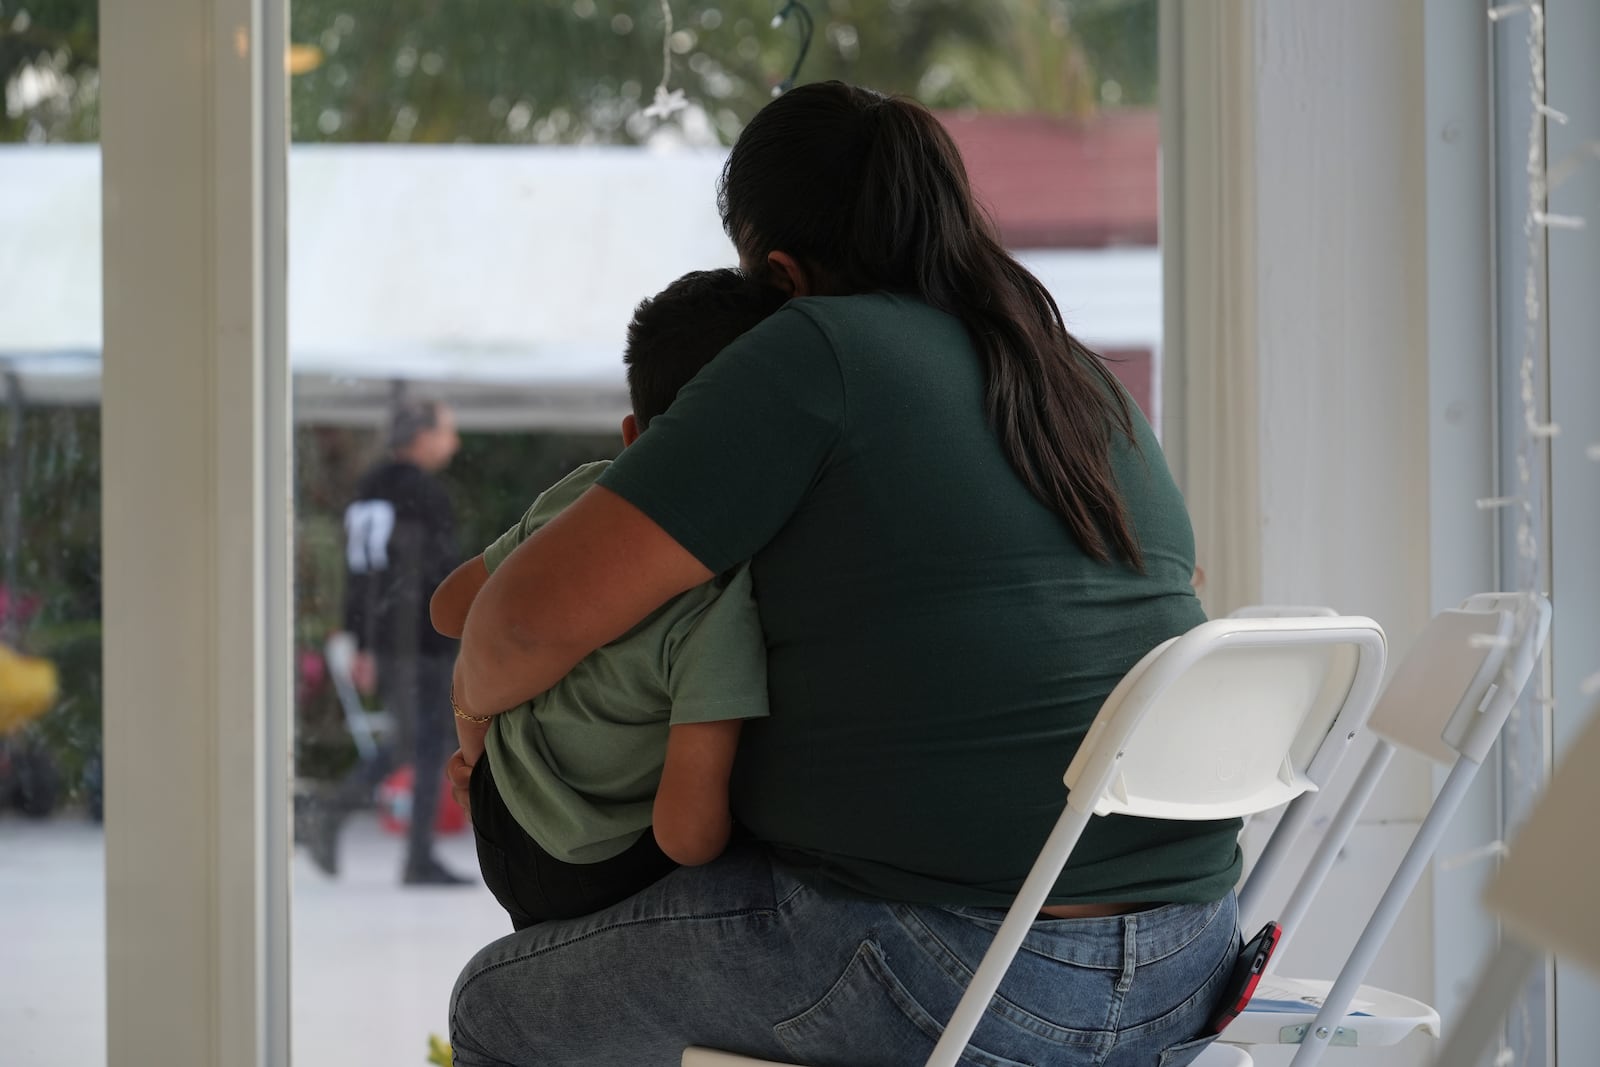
point(1525, 738)
point(668, 100)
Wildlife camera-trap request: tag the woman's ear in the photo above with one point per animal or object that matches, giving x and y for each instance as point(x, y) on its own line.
point(787, 274)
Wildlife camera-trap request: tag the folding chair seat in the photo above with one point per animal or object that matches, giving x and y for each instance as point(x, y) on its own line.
point(1289, 692)
point(1447, 702)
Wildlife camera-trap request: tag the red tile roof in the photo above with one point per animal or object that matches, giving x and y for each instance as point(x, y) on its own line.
point(1065, 183)
point(1135, 369)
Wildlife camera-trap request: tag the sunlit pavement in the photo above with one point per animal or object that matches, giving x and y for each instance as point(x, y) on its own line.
point(373, 962)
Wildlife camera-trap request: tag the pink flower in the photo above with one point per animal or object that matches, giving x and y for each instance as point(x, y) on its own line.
point(20, 607)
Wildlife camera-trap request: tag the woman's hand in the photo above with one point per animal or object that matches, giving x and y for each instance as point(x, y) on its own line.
point(459, 773)
point(469, 733)
point(470, 736)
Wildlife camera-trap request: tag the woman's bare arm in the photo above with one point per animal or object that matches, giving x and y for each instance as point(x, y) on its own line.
point(584, 579)
point(448, 607)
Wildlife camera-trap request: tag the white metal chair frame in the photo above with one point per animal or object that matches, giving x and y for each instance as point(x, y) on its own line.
point(1480, 657)
point(1297, 736)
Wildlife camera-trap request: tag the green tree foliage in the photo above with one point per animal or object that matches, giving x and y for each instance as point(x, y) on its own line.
point(563, 71)
point(583, 71)
point(50, 70)
point(502, 72)
point(50, 568)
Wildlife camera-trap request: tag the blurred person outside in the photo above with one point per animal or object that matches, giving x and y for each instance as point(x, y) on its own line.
point(400, 542)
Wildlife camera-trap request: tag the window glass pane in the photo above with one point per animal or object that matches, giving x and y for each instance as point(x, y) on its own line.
point(479, 197)
point(52, 852)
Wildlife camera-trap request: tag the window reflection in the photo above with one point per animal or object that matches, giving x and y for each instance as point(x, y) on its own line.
point(478, 197)
point(52, 852)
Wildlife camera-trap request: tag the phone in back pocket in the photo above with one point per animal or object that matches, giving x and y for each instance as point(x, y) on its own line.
point(1246, 975)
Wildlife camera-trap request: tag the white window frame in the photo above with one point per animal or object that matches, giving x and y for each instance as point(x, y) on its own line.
point(1423, 95)
point(1572, 260)
point(196, 432)
point(1327, 225)
point(196, 533)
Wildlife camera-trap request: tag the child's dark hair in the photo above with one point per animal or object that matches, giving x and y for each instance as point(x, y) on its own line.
point(868, 193)
point(679, 330)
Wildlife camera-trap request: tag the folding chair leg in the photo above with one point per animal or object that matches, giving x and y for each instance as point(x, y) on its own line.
point(1479, 1021)
point(1333, 842)
point(1018, 921)
point(1384, 917)
point(1291, 824)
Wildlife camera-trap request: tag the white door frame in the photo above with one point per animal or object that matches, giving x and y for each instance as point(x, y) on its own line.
point(196, 533)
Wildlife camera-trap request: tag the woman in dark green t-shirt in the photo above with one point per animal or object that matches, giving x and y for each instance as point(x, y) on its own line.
point(962, 534)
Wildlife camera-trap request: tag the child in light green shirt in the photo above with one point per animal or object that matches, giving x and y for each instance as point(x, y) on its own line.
point(636, 743)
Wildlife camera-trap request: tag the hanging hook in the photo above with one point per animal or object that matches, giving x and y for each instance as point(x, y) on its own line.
point(802, 18)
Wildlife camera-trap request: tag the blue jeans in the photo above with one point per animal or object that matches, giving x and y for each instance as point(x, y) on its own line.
point(743, 956)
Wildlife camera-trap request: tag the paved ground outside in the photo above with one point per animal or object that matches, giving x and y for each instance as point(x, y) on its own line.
point(373, 962)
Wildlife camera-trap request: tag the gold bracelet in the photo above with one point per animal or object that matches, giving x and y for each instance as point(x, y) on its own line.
point(478, 719)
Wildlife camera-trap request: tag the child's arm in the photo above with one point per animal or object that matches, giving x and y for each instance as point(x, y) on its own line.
point(448, 608)
point(692, 821)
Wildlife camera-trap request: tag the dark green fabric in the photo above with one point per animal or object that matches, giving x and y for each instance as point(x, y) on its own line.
point(937, 643)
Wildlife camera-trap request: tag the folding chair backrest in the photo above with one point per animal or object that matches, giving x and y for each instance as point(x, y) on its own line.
point(1230, 718)
point(1447, 701)
point(1282, 611)
point(1458, 684)
point(1448, 698)
point(1226, 720)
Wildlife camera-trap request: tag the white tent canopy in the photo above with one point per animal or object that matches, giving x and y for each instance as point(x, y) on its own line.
point(499, 278)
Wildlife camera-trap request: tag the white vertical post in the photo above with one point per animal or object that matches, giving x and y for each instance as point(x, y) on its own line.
point(1210, 283)
point(1342, 309)
point(1367, 342)
point(1458, 125)
point(195, 511)
point(1571, 41)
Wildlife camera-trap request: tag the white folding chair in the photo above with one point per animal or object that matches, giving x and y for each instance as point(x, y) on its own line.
point(1544, 896)
point(1447, 702)
point(1213, 1056)
point(1231, 718)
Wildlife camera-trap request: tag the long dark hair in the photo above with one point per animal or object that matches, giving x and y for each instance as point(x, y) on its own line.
point(868, 193)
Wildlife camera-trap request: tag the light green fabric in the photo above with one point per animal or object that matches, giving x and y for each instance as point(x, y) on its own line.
point(579, 765)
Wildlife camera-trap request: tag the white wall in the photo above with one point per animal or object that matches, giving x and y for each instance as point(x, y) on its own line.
point(1342, 391)
point(1331, 448)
